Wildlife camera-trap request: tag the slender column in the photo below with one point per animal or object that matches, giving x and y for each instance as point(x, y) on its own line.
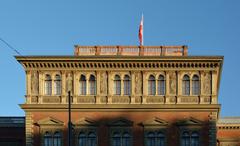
point(214, 86)
point(41, 86)
point(156, 85)
point(52, 77)
point(109, 86)
point(98, 87)
point(63, 87)
point(145, 87)
point(167, 87)
point(75, 87)
point(122, 84)
point(28, 86)
point(132, 84)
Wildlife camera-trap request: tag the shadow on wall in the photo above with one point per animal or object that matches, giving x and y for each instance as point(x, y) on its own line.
point(110, 126)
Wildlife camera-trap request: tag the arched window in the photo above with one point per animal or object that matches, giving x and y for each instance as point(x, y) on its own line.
point(150, 139)
point(92, 85)
point(92, 139)
point(186, 85)
point(195, 85)
point(127, 85)
point(82, 139)
point(161, 85)
point(48, 85)
point(126, 139)
point(151, 85)
point(155, 139)
point(116, 139)
point(117, 85)
point(82, 83)
point(185, 140)
point(194, 139)
point(57, 85)
point(47, 139)
point(160, 140)
point(57, 139)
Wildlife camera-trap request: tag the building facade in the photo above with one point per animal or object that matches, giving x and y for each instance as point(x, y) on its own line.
point(124, 96)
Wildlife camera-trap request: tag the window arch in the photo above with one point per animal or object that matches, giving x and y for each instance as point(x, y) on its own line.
point(92, 139)
point(195, 139)
point(195, 85)
point(57, 139)
point(92, 85)
point(161, 85)
point(160, 140)
point(151, 85)
point(82, 83)
point(117, 85)
point(185, 139)
point(155, 139)
point(82, 139)
point(126, 139)
point(116, 139)
point(186, 85)
point(57, 85)
point(127, 85)
point(48, 85)
point(47, 139)
point(150, 139)
point(121, 139)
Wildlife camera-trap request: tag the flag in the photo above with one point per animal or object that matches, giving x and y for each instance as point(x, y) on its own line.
point(140, 33)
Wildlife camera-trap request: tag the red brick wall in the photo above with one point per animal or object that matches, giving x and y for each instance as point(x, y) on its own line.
point(137, 118)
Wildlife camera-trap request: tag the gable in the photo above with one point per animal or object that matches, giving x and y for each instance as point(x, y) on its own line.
point(50, 121)
point(190, 121)
point(120, 122)
point(85, 122)
point(155, 122)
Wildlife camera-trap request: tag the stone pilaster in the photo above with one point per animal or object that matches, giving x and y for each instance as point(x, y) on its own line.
point(213, 129)
point(29, 129)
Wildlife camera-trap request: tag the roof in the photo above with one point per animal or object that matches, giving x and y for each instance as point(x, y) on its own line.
point(12, 121)
point(229, 120)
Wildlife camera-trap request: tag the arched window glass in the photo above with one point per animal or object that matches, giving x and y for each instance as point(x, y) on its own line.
point(82, 139)
point(194, 139)
point(117, 85)
point(92, 139)
point(160, 140)
point(57, 139)
point(161, 85)
point(48, 85)
point(82, 83)
point(127, 85)
point(151, 85)
point(92, 85)
point(47, 139)
point(126, 139)
point(195, 85)
point(116, 139)
point(185, 140)
point(150, 139)
point(57, 85)
point(186, 85)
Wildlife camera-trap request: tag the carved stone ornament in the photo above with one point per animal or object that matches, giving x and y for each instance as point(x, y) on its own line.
point(69, 82)
point(172, 82)
point(103, 83)
point(207, 82)
point(138, 83)
point(35, 82)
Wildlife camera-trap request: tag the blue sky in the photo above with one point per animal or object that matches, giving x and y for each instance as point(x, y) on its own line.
point(54, 27)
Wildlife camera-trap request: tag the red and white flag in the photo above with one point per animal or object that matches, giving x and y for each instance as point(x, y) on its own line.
point(140, 33)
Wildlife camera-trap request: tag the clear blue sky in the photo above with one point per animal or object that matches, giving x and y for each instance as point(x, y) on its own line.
point(208, 27)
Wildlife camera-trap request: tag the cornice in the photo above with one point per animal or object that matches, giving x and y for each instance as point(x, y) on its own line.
point(133, 63)
point(122, 107)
